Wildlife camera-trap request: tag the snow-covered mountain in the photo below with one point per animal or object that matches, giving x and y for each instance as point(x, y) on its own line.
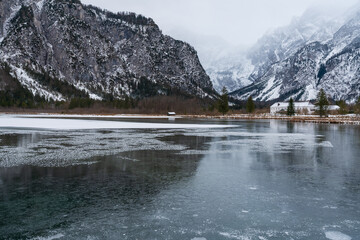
point(47, 44)
point(315, 24)
point(321, 59)
point(225, 64)
point(230, 70)
point(317, 50)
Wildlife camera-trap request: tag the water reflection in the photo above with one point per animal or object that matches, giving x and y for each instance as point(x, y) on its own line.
point(261, 180)
point(55, 197)
point(19, 140)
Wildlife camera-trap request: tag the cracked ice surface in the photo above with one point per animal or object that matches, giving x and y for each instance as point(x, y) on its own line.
point(55, 142)
point(56, 149)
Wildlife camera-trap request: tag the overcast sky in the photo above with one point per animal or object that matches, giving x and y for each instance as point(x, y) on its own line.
point(240, 22)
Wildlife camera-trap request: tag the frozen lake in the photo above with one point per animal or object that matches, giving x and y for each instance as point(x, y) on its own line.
point(189, 179)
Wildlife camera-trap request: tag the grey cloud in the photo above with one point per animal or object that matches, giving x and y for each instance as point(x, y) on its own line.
point(239, 22)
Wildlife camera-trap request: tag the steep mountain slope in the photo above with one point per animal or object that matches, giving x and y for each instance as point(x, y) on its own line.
point(51, 43)
point(231, 71)
point(331, 64)
point(225, 64)
point(314, 25)
point(238, 69)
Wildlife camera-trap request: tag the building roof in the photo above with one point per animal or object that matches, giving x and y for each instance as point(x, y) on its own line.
point(296, 104)
point(333, 107)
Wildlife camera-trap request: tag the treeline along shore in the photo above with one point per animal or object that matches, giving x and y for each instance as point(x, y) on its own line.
point(223, 107)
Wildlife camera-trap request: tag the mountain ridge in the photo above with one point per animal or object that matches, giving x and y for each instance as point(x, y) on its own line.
point(293, 61)
point(329, 64)
point(95, 51)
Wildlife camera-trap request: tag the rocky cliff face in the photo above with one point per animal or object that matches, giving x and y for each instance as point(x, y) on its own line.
point(232, 70)
point(315, 51)
point(239, 69)
point(49, 44)
point(331, 64)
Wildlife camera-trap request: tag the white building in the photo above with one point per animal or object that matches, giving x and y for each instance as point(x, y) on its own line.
point(333, 107)
point(299, 107)
point(330, 108)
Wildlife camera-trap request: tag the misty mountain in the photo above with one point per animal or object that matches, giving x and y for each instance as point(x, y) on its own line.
point(227, 65)
point(317, 50)
point(59, 49)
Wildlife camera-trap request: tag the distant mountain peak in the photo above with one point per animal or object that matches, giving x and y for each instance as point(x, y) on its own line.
point(317, 50)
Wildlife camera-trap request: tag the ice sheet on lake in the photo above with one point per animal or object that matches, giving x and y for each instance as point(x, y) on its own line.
point(81, 116)
point(334, 235)
point(7, 121)
point(53, 237)
point(68, 147)
point(56, 149)
point(252, 233)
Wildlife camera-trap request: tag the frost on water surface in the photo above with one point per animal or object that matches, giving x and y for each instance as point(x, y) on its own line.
point(69, 147)
point(53, 148)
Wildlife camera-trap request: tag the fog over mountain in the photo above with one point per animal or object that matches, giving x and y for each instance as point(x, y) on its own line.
point(317, 50)
point(239, 22)
point(241, 43)
point(233, 65)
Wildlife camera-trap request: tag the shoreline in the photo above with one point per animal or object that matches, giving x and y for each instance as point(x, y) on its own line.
point(332, 119)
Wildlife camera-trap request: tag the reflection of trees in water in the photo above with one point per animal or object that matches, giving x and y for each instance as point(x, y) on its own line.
point(290, 127)
point(333, 171)
point(147, 165)
point(308, 181)
point(191, 142)
point(344, 158)
point(284, 150)
point(19, 140)
point(36, 198)
point(300, 154)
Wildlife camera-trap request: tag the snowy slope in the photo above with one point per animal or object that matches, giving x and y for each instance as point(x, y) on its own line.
point(97, 52)
point(226, 64)
point(237, 69)
point(314, 25)
point(312, 53)
point(231, 71)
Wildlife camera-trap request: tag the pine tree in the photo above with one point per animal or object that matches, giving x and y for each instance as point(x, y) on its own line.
point(322, 103)
point(223, 104)
point(357, 106)
point(343, 107)
point(291, 108)
point(250, 106)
